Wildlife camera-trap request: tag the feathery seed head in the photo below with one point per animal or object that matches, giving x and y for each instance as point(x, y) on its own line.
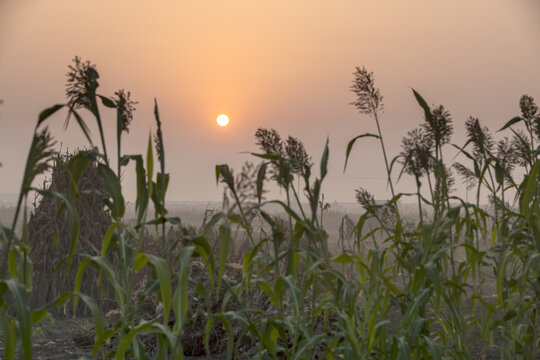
point(297, 155)
point(81, 84)
point(125, 106)
point(521, 148)
point(269, 141)
point(530, 114)
point(481, 139)
point(528, 107)
point(416, 153)
point(439, 127)
point(368, 98)
point(365, 198)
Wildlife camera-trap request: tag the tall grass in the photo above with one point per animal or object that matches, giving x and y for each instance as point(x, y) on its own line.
point(419, 293)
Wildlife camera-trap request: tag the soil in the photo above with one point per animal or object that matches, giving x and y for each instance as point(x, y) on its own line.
point(60, 338)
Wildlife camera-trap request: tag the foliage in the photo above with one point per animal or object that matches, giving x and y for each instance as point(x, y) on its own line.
point(418, 294)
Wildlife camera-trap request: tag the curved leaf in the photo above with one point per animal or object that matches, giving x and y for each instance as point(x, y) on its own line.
point(48, 112)
point(351, 143)
point(510, 122)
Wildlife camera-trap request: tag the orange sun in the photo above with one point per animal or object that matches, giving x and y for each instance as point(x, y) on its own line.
point(223, 120)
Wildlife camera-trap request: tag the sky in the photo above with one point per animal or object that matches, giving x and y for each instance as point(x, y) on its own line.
point(285, 65)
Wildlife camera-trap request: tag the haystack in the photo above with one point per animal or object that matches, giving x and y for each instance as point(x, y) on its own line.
point(50, 277)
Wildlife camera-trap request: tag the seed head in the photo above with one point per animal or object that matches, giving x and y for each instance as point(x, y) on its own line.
point(521, 146)
point(530, 114)
point(365, 198)
point(439, 127)
point(368, 98)
point(416, 153)
point(269, 141)
point(125, 107)
point(481, 139)
point(467, 174)
point(507, 156)
point(81, 84)
point(297, 155)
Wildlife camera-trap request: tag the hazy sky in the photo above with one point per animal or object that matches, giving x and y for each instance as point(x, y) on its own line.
point(276, 64)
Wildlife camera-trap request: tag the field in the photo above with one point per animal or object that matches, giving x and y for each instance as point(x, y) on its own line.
point(85, 275)
point(63, 337)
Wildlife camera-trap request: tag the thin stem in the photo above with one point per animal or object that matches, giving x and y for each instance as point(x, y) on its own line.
point(384, 153)
point(418, 185)
point(3, 268)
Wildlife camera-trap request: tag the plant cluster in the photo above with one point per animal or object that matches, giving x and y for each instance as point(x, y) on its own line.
point(419, 293)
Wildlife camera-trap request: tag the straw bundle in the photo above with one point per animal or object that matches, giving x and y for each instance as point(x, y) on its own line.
point(51, 277)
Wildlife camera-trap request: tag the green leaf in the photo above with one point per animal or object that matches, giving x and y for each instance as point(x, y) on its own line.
point(424, 105)
point(75, 168)
point(48, 112)
point(289, 281)
point(181, 299)
point(38, 315)
point(24, 319)
point(98, 321)
point(82, 125)
point(261, 175)
point(271, 157)
point(530, 189)
point(164, 277)
point(149, 165)
point(111, 183)
point(10, 335)
point(107, 238)
point(107, 102)
point(342, 259)
point(78, 282)
point(160, 147)
point(157, 201)
point(224, 240)
point(499, 172)
point(510, 122)
point(105, 267)
point(162, 183)
point(324, 161)
point(269, 292)
point(126, 341)
point(226, 174)
point(351, 143)
point(418, 302)
point(140, 261)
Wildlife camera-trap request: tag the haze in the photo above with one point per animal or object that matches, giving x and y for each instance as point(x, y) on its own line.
point(277, 64)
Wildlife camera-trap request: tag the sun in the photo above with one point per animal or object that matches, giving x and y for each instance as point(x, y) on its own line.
point(223, 120)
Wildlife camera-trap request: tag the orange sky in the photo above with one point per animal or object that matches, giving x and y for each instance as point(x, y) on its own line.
point(278, 64)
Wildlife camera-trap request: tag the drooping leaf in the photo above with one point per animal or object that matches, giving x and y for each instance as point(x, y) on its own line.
point(351, 143)
point(48, 112)
point(82, 125)
point(510, 122)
